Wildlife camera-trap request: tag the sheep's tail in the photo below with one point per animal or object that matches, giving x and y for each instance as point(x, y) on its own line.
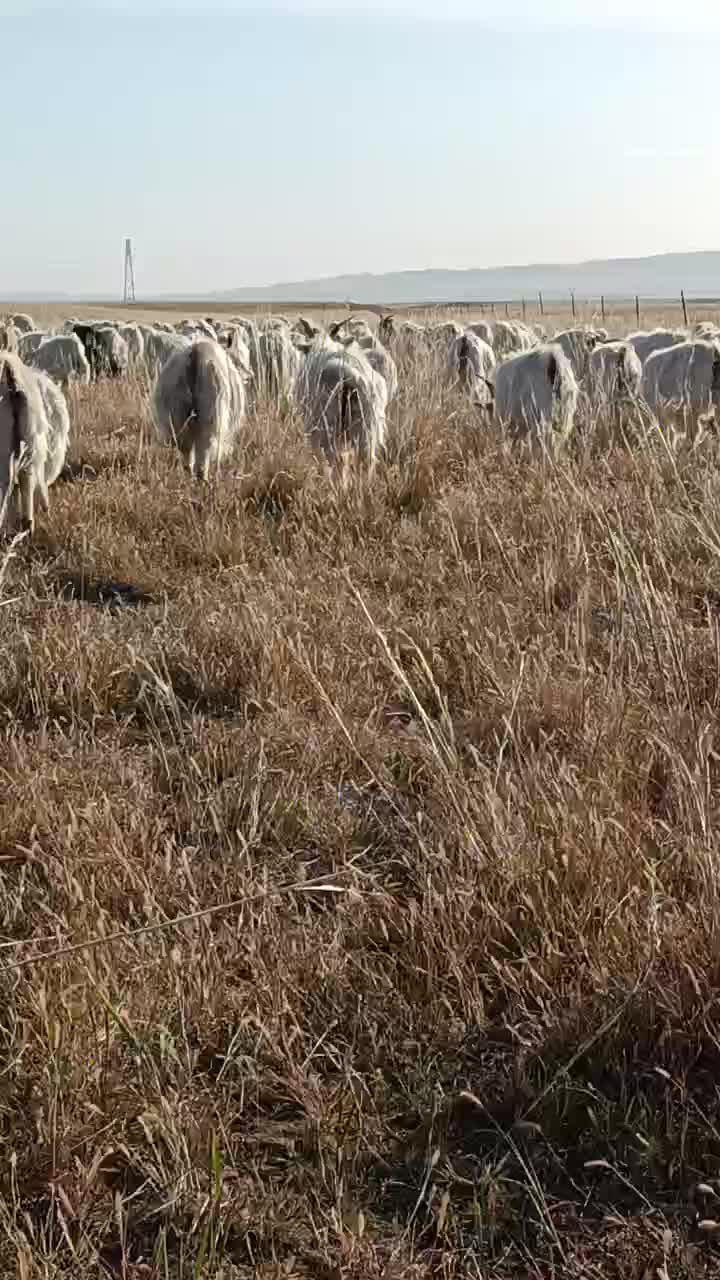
point(622, 371)
point(463, 359)
point(553, 372)
point(348, 397)
point(716, 371)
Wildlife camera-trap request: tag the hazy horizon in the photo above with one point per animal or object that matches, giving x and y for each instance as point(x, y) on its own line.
point(244, 149)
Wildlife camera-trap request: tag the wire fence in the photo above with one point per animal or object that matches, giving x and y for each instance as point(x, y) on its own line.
point(600, 307)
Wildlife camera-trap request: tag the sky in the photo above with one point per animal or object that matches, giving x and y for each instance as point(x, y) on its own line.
point(240, 145)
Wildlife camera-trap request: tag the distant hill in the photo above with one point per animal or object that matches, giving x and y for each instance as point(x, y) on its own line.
point(662, 276)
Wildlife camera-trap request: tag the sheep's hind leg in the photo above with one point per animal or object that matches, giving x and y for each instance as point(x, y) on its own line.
point(27, 484)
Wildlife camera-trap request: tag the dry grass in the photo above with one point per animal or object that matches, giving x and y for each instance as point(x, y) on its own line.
point(432, 768)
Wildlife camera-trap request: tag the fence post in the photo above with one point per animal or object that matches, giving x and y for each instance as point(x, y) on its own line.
point(524, 309)
point(507, 313)
point(542, 309)
point(637, 310)
point(602, 307)
point(572, 301)
point(684, 305)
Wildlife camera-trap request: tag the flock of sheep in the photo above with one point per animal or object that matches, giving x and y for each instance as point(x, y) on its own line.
point(207, 376)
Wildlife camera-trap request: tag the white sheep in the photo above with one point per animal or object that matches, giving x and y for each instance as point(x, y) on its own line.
point(442, 335)
point(34, 432)
point(614, 373)
point(56, 412)
point(275, 362)
point(199, 404)
point(381, 361)
point(106, 351)
point(510, 336)
point(472, 362)
point(235, 340)
point(196, 328)
point(645, 343)
point(536, 393)
point(404, 338)
point(62, 357)
point(28, 344)
point(8, 336)
point(681, 385)
point(370, 347)
point(135, 343)
point(577, 344)
point(482, 329)
point(160, 346)
point(23, 323)
point(343, 401)
point(351, 326)
point(707, 331)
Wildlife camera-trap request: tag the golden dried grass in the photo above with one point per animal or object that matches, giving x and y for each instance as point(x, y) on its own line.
point(443, 752)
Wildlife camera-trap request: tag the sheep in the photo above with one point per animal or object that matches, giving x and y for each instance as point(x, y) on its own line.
point(510, 336)
point(441, 336)
point(23, 323)
point(106, 351)
point(62, 357)
point(304, 329)
point(536, 393)
point(482, 329)
point(8, 336)
point(381, 361)
point(28, 344)
point(577, 345)
point(681, 385)
point(116, 353)
point(131, 334)
point(199, 404)
point(371, 348)
point(351, 325)
point(233, 339)
point(655, 340)
point(160, 346)
point(242, 322)
point(196, 328)
point(614, 372)
point(343, 401)
point(56, 412)
point(472, 362)
point(707, 331)
point(407, 339)
point(34, 431)
point(275, 364)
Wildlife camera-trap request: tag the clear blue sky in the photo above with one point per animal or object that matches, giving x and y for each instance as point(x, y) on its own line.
point(242, 147)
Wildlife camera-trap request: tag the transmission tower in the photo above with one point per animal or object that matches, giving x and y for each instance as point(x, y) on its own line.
point(129, 286)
